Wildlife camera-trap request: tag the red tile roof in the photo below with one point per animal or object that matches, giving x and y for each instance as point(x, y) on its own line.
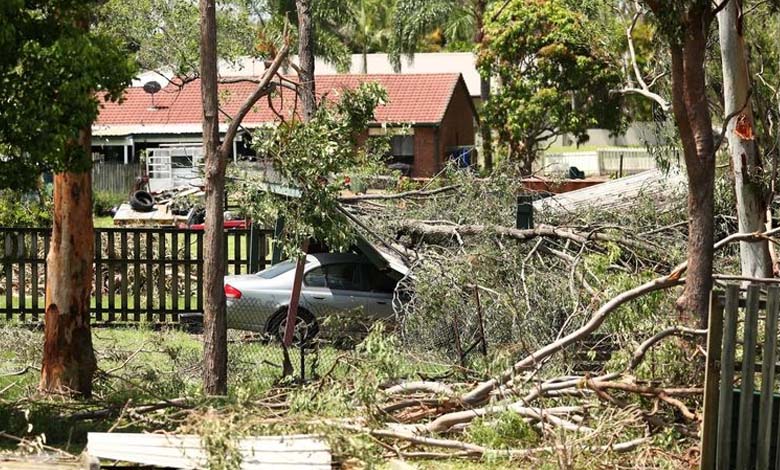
point(412, 99)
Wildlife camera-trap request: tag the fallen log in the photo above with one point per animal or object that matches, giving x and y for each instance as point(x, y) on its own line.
point(428, 231)
point(550, 416)
point(413, 387)
point(404, 195)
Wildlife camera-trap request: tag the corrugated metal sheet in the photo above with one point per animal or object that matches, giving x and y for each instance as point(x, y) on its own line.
point(618, 193)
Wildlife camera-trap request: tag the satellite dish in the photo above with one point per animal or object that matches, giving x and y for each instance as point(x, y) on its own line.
point(152, 87)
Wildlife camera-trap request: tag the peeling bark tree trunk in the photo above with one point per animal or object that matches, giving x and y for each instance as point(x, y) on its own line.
point(68, 358)
point(214, 317)
point(691, 111)
point(306, 57)
point(755, 259)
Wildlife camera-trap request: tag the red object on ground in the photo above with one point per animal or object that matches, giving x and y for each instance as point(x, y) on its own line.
point(228, 224)
point(560, 186)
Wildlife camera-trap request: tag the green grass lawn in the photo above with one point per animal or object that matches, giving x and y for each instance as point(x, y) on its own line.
point(103, 222)
point(138, 363)
point(105, 303)
point(108, 222)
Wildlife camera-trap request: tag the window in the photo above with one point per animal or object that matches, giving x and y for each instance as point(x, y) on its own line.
point(377, 281)
point(335, 276)
point(315, 277)
point(276, 270)
point(181, 161)
point(402, 145)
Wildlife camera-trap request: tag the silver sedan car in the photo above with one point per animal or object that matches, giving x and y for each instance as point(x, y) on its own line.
point(332, 284)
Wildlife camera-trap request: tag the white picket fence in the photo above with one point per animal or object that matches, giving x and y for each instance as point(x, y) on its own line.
point(602, 162)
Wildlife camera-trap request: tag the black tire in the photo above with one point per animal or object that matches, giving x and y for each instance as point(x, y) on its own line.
point(305, 318)
point(142, 201)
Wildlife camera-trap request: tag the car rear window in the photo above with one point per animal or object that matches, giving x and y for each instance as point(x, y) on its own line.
point(277, 270)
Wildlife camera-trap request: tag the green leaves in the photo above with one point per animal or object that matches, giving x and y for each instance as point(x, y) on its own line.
point(52, 75)
point(311, 156)
point(164, 34)
point(414, 19)
point(555, 78)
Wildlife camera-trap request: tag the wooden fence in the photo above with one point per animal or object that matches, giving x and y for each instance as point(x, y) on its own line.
point(115, 178)
point(141, 274)
point(601, 162)
point(740, 427)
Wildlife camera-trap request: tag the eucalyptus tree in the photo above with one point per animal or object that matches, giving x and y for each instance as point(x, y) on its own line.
point(746, 161)
point(215, 153)
point(164, 35)
point(53, 72)
point(685, 26)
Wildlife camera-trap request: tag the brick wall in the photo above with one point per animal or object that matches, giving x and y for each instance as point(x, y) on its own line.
point(456, 129)
point(426, 157)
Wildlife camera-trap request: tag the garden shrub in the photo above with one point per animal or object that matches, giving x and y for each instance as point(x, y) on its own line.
point(104, 201)
point(29, 210)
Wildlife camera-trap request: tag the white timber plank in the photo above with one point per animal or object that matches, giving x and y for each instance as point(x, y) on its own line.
point(186, 451)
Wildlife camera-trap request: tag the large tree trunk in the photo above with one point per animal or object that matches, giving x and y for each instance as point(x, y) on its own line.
point(746, 162)
point(691, 111)
point(306, 57)
point(68, 358)
point(214, 318)
point(484, 88)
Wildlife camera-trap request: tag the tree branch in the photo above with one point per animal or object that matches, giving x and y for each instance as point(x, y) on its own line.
point(261, 90)
point(407, 194)
point(428, 230)
point(482, 392)
point(477, 450)
point(640, 352)
point(644, 89)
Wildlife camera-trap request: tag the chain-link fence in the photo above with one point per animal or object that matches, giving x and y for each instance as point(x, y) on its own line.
point(167, 359)
point(324, 329)
point(463, 323)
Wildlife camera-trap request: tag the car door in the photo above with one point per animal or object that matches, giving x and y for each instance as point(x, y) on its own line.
point(333, 288)
point(377, 292)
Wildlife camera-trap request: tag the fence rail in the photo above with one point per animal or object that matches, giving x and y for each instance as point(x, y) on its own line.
point(601, 162)
point(141, 274)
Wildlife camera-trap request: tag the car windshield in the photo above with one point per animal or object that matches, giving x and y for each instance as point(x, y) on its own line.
point(276, 270)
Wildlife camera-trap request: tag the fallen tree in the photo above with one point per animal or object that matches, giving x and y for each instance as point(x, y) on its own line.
point(482, 392)
point(439, 232)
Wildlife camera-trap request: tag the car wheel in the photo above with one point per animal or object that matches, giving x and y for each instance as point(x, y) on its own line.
point(306, 326)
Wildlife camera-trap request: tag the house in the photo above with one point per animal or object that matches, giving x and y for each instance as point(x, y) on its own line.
point(464, 63)
point(430, 117)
